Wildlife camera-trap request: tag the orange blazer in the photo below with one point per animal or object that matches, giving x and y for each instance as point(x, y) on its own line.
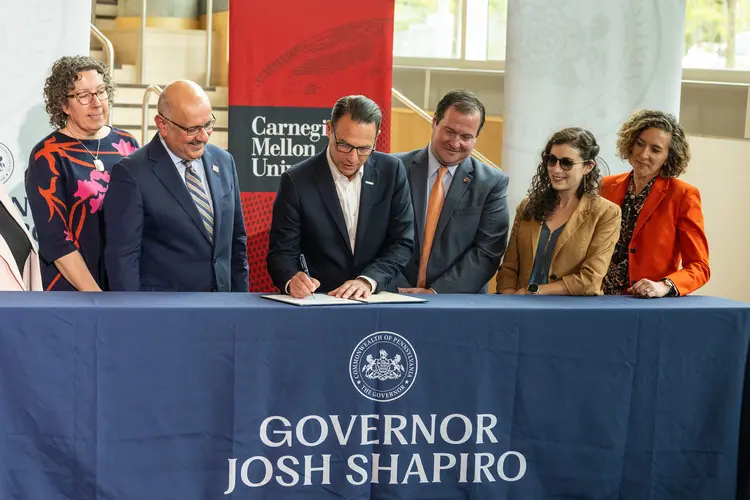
point(669, 232)
point(582, 253)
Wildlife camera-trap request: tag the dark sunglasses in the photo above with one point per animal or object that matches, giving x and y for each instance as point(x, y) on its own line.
point(565, 163)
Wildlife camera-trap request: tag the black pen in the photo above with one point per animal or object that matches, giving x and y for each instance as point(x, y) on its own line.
point(305, 270)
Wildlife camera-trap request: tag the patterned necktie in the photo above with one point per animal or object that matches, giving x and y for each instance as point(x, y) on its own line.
point(195, 187)
point(437, 196)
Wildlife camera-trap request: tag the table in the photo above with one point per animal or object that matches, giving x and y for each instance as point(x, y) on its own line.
point(207, 396)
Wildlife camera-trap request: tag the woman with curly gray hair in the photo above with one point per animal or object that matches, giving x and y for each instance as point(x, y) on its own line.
point(662, 250)
point(68, 174)
point(564, 234)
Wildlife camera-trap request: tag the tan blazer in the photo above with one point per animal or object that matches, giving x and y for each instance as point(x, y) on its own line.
point(582, 253)
point(11, 278)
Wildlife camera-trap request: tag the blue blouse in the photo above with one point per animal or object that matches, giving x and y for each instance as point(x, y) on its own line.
point(545, 248)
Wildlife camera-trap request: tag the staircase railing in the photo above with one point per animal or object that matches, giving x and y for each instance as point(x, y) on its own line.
point(109, 52)
point(425, 116)
point(151, 89)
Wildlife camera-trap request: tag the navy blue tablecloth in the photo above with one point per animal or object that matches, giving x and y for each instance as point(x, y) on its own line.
point(209, 396)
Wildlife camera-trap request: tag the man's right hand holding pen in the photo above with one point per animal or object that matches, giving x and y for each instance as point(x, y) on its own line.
point(302, 284)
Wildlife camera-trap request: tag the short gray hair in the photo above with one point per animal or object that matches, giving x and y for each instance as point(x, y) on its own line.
point(360, 109)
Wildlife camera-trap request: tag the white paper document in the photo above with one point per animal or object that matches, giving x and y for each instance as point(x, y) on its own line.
point(322, 299)
point(391, 298)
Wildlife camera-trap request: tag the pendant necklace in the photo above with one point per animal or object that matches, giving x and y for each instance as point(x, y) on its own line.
point(97, 162)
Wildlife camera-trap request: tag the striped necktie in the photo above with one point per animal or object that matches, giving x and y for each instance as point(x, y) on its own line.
point(195, 187)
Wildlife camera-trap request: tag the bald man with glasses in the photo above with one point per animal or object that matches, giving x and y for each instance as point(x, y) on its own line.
point(347, 210)
point(173, 213)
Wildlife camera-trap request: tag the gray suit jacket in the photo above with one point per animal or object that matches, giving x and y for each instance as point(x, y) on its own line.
point(472, 231)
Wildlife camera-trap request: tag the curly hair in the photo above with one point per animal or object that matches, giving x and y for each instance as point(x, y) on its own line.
point(542, 197)
point(679, 149)
point(65, 72)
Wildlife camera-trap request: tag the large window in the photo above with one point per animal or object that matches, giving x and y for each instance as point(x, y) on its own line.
point(717, 34)
point(427, 28)
point(485, 34)
point(472, 30)
point(497, 18)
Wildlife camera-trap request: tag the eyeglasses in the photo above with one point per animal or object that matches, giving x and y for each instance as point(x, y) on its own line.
point(343, 147)
point(565, 163)
point(193, 131)
point(84, 98)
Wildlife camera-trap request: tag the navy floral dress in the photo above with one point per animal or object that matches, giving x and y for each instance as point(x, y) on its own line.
point(66, 192)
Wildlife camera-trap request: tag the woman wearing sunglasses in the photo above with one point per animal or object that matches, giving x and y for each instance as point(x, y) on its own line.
point(68, 174)
point(564, 234)
point(662, 220)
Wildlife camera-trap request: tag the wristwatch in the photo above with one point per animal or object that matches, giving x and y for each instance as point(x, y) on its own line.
point(672, 288)
point(532, 289)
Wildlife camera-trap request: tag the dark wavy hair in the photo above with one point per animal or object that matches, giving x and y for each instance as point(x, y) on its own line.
point(679, 149)
point(65, 72)
point(542, 197)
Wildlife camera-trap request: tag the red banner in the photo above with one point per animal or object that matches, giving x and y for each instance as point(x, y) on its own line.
point(289, 63)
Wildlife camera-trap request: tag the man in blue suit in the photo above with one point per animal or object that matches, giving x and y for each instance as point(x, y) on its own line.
point(346, 209)
point(460, 241)
point(173, 212)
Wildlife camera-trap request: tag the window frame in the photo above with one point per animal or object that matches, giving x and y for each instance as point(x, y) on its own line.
point(700, 75)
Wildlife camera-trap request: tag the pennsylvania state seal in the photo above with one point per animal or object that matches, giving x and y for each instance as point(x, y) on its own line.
point(6, 163)
point(383, 366)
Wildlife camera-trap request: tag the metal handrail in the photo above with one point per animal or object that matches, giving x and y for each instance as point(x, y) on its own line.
point(425, 116)
point(209, 40)
point(151, 89)
point(110, 58)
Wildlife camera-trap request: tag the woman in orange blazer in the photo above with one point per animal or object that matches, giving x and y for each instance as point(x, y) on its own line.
point(662, 250)
point(563, 234)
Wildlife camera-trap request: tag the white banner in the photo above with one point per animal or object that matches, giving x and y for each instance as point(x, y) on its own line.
point(585, 63)
point(33, 34)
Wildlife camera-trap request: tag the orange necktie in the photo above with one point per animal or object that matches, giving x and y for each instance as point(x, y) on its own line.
point(437, 196)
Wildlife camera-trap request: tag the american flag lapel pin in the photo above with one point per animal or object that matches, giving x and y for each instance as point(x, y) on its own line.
point(215, 169)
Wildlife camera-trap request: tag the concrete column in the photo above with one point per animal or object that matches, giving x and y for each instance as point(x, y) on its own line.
point(59, 29)
point(585, 63)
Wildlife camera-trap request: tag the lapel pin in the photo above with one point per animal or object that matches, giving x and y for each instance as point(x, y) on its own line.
point(370, 183)
point(466, 180)
point(215, 169)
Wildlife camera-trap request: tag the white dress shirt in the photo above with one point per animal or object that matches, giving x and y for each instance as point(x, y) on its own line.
point(197, 166)
point(348, 192)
